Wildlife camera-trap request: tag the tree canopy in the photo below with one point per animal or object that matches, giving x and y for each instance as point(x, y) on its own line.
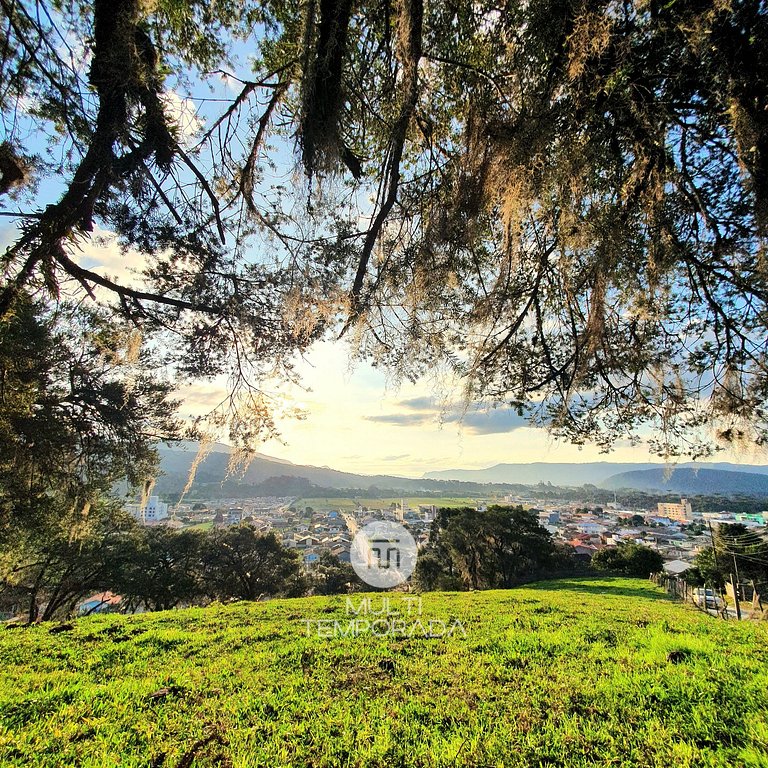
point(738, 553)
point(80, 411)
point(492, 549)
point(628, 559)
point(565, 203)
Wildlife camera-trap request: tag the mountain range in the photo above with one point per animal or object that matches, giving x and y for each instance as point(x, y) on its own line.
point(688, 479)
point(570, 474)
point(177, 459)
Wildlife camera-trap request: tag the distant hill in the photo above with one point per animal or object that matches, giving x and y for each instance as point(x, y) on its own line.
point(573, 474)
point(176, 462)
point(685, 480)
point(272, 474)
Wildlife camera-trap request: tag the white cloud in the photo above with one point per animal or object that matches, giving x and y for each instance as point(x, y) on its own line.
point(183, 114)
point(101, 253)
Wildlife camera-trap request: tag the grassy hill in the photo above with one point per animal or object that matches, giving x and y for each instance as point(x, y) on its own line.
point(568, 673)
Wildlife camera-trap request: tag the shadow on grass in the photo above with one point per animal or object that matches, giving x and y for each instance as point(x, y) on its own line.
point(601, 585)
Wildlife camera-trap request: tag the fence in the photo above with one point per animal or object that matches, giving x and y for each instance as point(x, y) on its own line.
point(713, 601)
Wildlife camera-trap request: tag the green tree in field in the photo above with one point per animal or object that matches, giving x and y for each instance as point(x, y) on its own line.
point(159, 568)
point(428, 570)
point(629, 560)
point(435, 572)
point(707, 570)
point(499, 547)
point(331, 576)
point(238, 562)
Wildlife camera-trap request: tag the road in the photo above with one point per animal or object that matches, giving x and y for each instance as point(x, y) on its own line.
point(349, 519)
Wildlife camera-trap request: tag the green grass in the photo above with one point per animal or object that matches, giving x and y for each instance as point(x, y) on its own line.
point(567, 673)
point(207, 526)
point(348, 505)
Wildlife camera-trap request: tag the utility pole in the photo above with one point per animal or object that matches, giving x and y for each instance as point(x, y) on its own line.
point(735, 585)
point(714, 548)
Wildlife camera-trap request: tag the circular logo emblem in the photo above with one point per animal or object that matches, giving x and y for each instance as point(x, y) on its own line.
point(383, 554)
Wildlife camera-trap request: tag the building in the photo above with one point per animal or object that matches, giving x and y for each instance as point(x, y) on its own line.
point(593, 529)
point(549, 518)
point(102, 602)
point(153, 511)
point(681, 511)
point(311, 558)
point(428, 512)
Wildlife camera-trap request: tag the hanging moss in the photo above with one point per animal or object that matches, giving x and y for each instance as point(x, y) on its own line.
point(322, 145)
point(13, 170)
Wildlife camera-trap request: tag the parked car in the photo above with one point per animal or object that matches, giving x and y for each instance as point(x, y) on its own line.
point(706, 598)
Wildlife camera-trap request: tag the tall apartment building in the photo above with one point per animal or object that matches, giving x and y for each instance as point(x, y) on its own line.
point(681, 511)
point(153, 511)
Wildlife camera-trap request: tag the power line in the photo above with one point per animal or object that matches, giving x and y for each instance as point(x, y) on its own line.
point(753, 532)
point(747, 556)
point(751, 541)
point(746, 542)
point(750, 549)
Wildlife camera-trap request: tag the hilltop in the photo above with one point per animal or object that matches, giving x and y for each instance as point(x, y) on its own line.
point(176, 461)
point(691, 481)
point(570, 673)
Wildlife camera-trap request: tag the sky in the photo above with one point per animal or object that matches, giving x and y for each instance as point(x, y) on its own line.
point(355, 419)
point(358, 422)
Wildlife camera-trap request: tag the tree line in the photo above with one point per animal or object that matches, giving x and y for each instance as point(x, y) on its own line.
point(158, 568)
point(502, 547)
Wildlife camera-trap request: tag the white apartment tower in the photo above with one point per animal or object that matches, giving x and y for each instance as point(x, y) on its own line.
point(153, 511)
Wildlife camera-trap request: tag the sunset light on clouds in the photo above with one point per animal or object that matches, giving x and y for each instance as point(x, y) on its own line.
point(356, 421)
